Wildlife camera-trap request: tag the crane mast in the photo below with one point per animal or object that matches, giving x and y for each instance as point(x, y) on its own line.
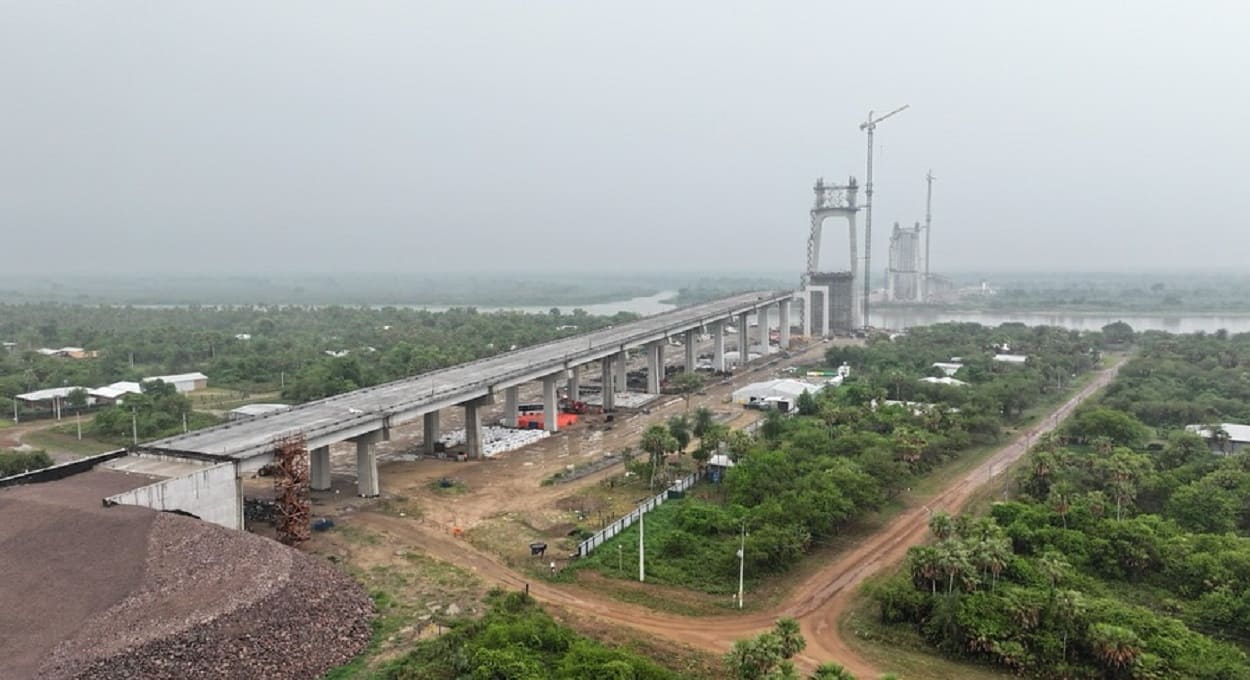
point(870, 126)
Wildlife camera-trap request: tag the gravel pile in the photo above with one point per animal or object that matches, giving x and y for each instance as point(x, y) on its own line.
point(157, 595)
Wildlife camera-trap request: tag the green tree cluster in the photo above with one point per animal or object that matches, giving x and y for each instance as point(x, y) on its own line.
point(18, 462)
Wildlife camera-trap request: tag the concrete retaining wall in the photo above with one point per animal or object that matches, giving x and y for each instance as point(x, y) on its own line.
point(213, 494)
point(51, 474)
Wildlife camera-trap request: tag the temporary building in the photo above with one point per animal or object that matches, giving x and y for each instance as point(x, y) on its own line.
point(1238, 436)
point(944, 380)
point(50, 394)
point(948, 367)
point(115, 392)
point(183, 382)
point(1011, 358)
point(770, 390)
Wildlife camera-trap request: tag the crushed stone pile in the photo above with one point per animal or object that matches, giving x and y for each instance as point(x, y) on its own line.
point(127, 592)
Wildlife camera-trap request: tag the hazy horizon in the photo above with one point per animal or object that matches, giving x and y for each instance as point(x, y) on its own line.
point(294, 139)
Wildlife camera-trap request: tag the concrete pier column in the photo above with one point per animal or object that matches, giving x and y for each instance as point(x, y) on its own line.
point(574, 387)
point(761, 319)
point(692, 356)
point(511, 398)
point(609, 399)
point(473, 430)
point(652, 350)
point(659, 360)
point(551, 405)
point(319, 462)
point(431, 431)
point(718, 345)
point(367, 465)
point(783, 324)
point(744, 342)
point(621, 365)
point(807, 313)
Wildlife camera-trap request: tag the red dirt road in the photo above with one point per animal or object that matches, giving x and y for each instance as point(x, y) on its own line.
point(819, 602)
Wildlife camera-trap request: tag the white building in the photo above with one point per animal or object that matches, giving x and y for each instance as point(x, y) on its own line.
point(944, 380)
point(1011, 358)
point(183, 382)
point(774, 391)
point(1238, 437)
point(52, 394)
point(948, 367)
point(116, 392)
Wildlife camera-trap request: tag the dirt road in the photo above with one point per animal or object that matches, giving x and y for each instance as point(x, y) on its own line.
point(818, 603)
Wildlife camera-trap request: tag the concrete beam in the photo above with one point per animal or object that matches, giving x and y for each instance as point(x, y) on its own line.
point(783, 324)
point(574, 387)
point(551, 404)
point(744, 343)
point(692, 356)
point(718, 345)
point(473, 429)
point(654, 368)
point(319, 462)
point(620, 366)
point(609, 397)
point(431, 432)
point(367, 465)
point(511, 398)
point(761, 320)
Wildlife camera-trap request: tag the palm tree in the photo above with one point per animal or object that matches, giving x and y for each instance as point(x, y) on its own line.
point(925, 567)
point(702, 422)
point(1054, 567)
point(941, 525)
point(1068, 609)
point(1115, 646)
point(952, 559)
point(679, 427)
point(792, 641)
point(831, 671)
point(656, 441)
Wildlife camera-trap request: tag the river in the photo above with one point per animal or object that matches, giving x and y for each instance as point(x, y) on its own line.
point(1172, 323)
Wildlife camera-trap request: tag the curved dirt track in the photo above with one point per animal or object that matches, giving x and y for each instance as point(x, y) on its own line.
point(819, 602)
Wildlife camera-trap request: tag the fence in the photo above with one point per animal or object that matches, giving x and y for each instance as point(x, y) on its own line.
point(600, 537)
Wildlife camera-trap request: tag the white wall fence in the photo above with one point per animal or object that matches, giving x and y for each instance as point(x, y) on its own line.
point(600, 537)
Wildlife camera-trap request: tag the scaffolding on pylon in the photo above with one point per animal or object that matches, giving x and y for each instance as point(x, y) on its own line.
point(291, 489)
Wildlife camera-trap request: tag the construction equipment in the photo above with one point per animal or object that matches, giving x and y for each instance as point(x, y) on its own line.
point(568, 405)
point(870, 126)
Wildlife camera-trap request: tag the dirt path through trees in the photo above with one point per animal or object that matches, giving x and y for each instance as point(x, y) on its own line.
point(819, 602)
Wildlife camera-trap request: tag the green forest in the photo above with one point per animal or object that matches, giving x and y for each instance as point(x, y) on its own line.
point(259, 349)
point(1126, 551)
point(850, 451)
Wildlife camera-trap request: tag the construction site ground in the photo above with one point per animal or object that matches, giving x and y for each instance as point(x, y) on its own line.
point(500, 505)
point(484, 523)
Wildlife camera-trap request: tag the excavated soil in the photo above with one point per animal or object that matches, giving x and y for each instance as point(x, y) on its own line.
point(126, 592)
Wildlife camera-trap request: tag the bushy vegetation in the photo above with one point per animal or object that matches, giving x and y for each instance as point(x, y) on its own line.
point(17, 462)
point(518, 641)
point(1127, 553)
point(287, 345)
point(801, 480)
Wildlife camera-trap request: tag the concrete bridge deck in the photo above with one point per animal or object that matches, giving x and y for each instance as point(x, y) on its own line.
point(373, 409)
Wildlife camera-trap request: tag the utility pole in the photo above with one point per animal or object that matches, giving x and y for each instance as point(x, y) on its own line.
point(184, 423)
point(742, 556)
point(78, 422)
point(642, 571)
point(870, 126)
point(134, 427)
point(928, 235)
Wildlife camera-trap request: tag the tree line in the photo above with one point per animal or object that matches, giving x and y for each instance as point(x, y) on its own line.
point(1127, 550)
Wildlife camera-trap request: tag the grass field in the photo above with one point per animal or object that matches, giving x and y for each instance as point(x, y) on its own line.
point(5, 423)
point(55, 442)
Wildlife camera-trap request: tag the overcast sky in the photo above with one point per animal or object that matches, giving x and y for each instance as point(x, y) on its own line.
point(416, 136)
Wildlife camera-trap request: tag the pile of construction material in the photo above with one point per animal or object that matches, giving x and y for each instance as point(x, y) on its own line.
point(496, 439)
point(128, 592)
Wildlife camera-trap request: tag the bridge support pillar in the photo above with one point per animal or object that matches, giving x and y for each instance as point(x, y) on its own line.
point(761, 318)
point(575, 382)
point(609, 396)
point(692, 355)
point(654, 369)
point(718, 346)
point(473, 429)
point(551, 404)
point(620, 366)
point(431, 432)
point(783, 324)
point(367, 465)
point(511, 398)
point(319, 462)
point(744, 342)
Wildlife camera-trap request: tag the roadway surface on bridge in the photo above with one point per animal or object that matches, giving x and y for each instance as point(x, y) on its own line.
point(369, 409)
